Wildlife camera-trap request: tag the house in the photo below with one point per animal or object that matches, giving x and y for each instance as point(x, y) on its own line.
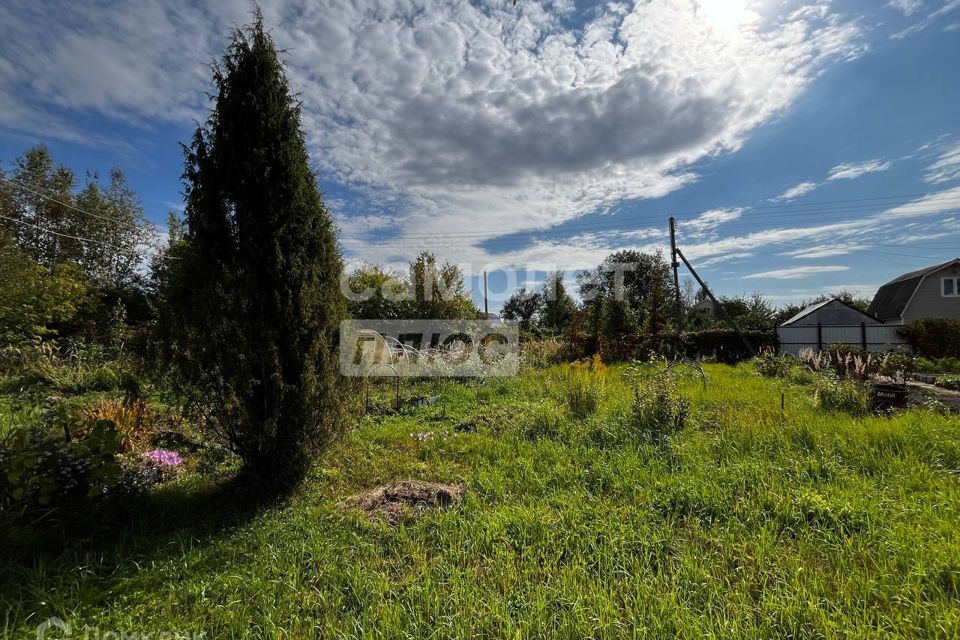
point(836, 322)
point(705, 307)
point(933, 292)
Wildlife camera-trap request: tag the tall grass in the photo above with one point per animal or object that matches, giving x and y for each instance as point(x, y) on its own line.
point(755, 523)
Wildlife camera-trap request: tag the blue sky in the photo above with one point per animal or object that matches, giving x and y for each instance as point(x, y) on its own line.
point(803, 146)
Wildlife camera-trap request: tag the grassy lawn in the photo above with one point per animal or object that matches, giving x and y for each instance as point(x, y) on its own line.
point(749, 523)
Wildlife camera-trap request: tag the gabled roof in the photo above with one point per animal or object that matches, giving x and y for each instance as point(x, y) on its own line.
point(892, 298)
point(808, 310)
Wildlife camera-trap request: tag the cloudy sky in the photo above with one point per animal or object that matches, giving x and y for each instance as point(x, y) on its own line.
point(802, 146)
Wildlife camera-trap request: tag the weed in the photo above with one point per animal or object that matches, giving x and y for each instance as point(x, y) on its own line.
point(846, 396)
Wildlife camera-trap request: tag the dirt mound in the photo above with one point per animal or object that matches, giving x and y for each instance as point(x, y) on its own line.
point(393, 501)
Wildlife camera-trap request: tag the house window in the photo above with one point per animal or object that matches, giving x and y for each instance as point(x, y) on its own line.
point(950, 287)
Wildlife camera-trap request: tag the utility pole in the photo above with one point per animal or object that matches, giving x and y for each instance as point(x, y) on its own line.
point(678, 308)
point(486, 306)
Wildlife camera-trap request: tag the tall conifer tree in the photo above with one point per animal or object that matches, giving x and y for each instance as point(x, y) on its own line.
point(253, 294)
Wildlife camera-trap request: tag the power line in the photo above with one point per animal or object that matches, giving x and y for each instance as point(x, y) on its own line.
point(749, 215)
point(752, 224)
point(62, 235)
point(61, 203)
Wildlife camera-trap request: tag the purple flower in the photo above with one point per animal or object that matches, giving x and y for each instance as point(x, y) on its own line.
point(164, 457)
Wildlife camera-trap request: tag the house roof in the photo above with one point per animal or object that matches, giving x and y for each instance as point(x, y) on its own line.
point(808, 310)
point(892, 298)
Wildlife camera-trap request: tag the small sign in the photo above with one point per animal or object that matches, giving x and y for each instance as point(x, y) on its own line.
point(889, 396)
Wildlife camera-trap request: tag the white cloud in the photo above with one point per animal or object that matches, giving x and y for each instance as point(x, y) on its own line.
point(796, 191)
point(507, 117)
point(794, 273)
point(941, 202)
point(826, 250)
point(947, 7)
point(846, 171)
point(946, 167)
point(709, 221)
point(855, 170)
point(907, 7)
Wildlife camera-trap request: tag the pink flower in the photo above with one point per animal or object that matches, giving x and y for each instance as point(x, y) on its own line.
point(164, 457)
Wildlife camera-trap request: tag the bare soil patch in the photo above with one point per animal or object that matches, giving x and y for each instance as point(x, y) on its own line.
point(395, 501)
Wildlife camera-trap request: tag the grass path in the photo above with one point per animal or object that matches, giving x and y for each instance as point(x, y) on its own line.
point(750, 524)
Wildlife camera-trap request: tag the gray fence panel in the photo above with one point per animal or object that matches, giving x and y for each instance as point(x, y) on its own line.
point(793, 339)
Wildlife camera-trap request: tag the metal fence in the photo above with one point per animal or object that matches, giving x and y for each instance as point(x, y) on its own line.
point(870, 337)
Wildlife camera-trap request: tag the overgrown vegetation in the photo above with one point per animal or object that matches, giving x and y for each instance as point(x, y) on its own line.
point(767, 523)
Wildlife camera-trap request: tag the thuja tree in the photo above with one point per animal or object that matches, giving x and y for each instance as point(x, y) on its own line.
point(251, 289)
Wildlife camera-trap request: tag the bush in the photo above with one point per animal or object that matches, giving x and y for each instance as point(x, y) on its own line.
point(949, 382)
point(658, 411)
point(773, 365)
point(55, 480)
point(725, 345)
point(938, 365)
point(135, 422)
point(934, 338)
point(844, 396)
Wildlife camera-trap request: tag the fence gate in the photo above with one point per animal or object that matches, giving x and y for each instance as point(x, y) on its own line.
point(870, 337)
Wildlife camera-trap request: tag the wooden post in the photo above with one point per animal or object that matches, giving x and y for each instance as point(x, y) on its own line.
point(486, 306)
point(678, 309)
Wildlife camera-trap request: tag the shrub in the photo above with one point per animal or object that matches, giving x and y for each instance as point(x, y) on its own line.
point(773, 365)
point(658, 411)
point(54, 480)
point(949, 382)
point(937, 365)
point(845, 396)
point(802, 375)
point(934, 338)
point(725, 345)
point(135, 422)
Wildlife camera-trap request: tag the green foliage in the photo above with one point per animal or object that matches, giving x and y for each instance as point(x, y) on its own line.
point(378, 294)
point(438, 291)
point(937, 365)
point(34, 297)
point(949, 382)
point(582, 387)
point(724, 345)
point(540, 354)
point(620, 295)
point(659, 411)
point(557, 305)
point(525, 307)
point(934, 338)
point(428, 290)
point(844, 396)
point(774, 365)
point(253, 301)
point(49, 479)
point(756, 524)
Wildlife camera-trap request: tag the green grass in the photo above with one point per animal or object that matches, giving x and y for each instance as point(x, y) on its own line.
point(750, 523)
